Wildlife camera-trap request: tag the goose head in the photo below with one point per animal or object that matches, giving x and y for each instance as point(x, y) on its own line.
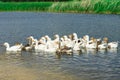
point(70, 37)
point(65, 38)
point(56, 36)
point(30, 37)
point(31, 40)
point(61, 39)
point(6, 44)
point(47, 38)
point(75, 36)
point(36, 41)
point(105, 39)
point(86, 37)
point(42, 40)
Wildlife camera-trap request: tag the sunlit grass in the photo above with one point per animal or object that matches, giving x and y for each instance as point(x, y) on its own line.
point(88, 6)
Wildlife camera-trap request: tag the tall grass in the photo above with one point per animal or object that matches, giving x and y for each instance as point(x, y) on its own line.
point(25, 6)
point(78, 6)
point(88, 6)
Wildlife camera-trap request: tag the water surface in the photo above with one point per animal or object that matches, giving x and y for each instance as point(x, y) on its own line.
point(89, 65)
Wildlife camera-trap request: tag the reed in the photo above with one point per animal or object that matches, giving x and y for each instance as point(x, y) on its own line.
point(88, 6)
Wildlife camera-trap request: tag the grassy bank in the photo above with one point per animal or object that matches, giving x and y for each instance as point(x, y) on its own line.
point(83, 6)
point(25, 6)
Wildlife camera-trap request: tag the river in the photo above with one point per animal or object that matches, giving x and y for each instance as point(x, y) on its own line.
point(95, 65)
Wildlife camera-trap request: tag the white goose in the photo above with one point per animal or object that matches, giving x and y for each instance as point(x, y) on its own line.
point(84, 41)
point(39, 47)
point(68, 42)
point(77, 45)
point(50, 45)
point(102, 46)
point(64, 45)
point(15, 48)
point(30, 44)
point(56, 41)
point(92, 44)
point(113, 45)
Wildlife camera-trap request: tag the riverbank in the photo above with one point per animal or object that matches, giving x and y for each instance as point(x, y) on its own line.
point(83, 6)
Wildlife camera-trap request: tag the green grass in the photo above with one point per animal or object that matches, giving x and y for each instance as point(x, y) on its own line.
point(25, 6)
point(83, 6)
